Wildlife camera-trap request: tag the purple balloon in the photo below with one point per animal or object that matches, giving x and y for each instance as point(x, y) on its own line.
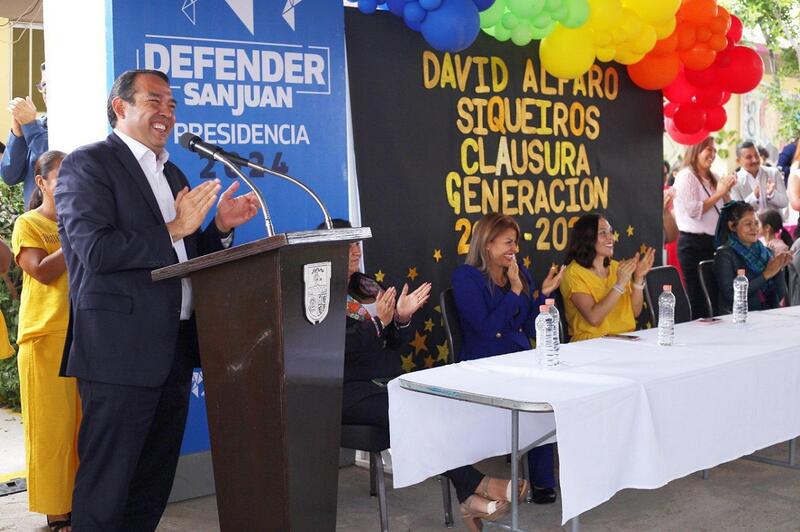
point(452, 27)
point(483, 5)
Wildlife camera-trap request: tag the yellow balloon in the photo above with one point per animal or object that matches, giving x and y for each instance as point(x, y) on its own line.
point(653, 11)
point(665, 28)
point(606, 53)
point(626, 57)
point(566, 53)
point(645, 41)
point(602, 38)
point(605, 14)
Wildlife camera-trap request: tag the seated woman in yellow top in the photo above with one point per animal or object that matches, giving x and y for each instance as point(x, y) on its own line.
point(50, 404)
point(599, 298)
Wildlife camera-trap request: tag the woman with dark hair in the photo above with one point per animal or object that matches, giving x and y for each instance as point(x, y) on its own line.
point(601, 295)
point(737, 235)
point(50, 404)
point(497, 302)
point(378, 324)
point(699, 196)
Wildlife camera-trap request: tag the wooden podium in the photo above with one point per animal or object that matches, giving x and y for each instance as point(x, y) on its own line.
point(273, 379)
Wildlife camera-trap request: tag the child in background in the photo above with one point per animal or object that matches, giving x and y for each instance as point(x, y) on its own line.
point(772, 234)
point(50, 404)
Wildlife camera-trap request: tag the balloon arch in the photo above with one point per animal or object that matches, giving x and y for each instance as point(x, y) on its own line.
point(688, 49)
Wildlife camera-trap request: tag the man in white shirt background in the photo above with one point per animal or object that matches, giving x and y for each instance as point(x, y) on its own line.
point(760, 186)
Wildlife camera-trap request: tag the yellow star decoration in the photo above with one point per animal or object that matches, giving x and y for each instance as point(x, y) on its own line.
point(643, 249)
point(437, 254)
point(536, 294)
point(438, 309)
point(379, 276)
point(616, 236)
point(629, 230)
point(527, 236)
point(408, 362)
point(419, 342)
point(429, 325)
point(412, 273)
point(444, 352)
point(527, 261)
point(428, 361)
point(554, 266)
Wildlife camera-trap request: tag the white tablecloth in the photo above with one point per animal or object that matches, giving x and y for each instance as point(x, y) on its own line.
point(628, 414)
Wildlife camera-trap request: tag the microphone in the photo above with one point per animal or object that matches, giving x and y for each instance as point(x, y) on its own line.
point(206, 149)
point(211, 151)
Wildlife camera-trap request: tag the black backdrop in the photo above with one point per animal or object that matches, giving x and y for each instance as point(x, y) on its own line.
point(423, 119)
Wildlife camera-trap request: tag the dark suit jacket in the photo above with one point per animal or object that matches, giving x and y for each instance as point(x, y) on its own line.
point(493, 322)
point(123, 326)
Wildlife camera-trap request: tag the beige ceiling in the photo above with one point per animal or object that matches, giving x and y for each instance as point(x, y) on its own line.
point(12, 9)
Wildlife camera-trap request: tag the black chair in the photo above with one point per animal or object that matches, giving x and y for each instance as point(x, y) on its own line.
point(655, 280)
point(709, 285)
point(374, 440)
point(452, 325)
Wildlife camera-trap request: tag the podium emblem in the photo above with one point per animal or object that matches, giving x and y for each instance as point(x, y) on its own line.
point(317, 280)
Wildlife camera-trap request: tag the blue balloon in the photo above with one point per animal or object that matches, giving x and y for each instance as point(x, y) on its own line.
point(416, 26)
point(397, 6)
point(367, 7)
point(414, 13)
point(452, 27)
point(483, 5)
point(430, 5)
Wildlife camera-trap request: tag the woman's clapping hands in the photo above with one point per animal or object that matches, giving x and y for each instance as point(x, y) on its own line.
point(408, 304)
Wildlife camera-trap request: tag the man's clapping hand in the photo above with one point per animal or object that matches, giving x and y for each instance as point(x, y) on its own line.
point(191, 207)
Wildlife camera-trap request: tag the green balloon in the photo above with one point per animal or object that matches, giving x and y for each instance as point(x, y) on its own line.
point(521, 35)
point(578, 13)
point(501, 33)
point(559, 14)
point(552, 5)
point(491, 17)
point(541, 33)
point(510, 21)
point(542, 20)
point(525, 8)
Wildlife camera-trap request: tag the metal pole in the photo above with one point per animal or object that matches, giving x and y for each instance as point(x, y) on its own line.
point(514, 469)
point(264, 210)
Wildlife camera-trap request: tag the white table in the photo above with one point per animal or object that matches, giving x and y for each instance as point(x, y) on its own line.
point(627, 414)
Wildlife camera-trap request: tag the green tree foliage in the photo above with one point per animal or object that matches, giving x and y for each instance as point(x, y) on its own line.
point(11, 205)
point(779, 22)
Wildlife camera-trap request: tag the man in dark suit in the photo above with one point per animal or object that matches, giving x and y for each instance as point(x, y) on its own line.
point(123, 211)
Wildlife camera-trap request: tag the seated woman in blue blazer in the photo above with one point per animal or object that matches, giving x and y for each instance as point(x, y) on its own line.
point(497, 303)
point(740, 249)
point(378, 320)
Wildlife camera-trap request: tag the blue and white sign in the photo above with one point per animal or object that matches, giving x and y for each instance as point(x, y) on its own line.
point(264, 79)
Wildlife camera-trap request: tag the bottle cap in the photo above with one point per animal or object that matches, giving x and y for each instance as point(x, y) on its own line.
point(543, 308)
point(667, 288)
point(740, 272)
point(549, 301)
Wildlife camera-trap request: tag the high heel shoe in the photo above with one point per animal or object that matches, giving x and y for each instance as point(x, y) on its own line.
point(489, 511)
point(483, 490)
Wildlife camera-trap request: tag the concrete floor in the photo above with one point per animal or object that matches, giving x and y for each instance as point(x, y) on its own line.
point(740, 495)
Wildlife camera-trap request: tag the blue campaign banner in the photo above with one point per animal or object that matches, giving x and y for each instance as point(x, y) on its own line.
point(264, 79)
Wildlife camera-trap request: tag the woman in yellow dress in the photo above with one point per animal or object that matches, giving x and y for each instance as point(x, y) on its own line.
point(601, 295)
point(50, 404)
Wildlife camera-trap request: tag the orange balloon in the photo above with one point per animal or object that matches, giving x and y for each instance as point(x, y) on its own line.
point(717, 42)
point(698, 11)
point(666, 46)
point(655, 72)
point(722, 22)
point(687, 37)
point(703, 34)
point(698, 58)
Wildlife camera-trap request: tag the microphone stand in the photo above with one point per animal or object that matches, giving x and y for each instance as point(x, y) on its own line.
point(221, 157)
point(287, 177)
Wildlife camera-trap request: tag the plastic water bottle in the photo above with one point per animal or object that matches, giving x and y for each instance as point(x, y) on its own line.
point(546, 352)
point(666, 316)
point(740, 288)
point(551, 303)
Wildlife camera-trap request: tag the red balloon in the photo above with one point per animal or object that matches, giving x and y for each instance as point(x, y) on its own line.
point(735, 31)
point(709, 97)
point(689, 118)
point(724, 57)
point(679, 91)
point(726, 97)
point(655, 72)
point(683, 138)
point(669, 109)
point(698, 58)
point(702, 78)
point(744, 72)
point(715, 118)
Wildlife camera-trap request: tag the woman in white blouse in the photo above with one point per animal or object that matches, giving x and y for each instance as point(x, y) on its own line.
point(699, 196)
